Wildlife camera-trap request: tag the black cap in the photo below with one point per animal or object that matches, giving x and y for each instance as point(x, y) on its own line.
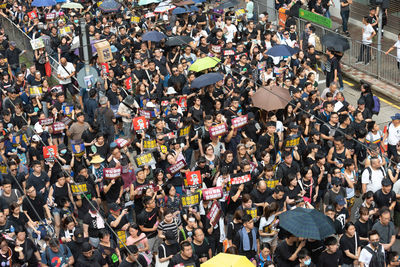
point(114, 207)
point(313, 145)
point(86, 247)
point(329, 208)
point(78, 234)
point(293, 125)
point(170, 237)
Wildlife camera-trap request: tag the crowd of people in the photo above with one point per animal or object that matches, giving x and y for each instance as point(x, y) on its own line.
point(141, 168)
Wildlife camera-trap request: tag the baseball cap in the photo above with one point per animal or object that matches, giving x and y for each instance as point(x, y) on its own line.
point(86, 247)
point(340, 200)
point(114, 207)
point(78, 234)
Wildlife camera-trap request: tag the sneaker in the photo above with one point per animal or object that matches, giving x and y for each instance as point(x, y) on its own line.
point(341, 89)
point(366, 64)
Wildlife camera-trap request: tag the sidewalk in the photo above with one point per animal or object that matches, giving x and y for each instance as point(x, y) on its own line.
point(377, 86)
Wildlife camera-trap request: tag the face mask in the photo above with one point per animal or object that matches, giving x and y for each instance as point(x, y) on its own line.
point(375, 244)
point(63, 151)
point(307, 262)
point(76, 21)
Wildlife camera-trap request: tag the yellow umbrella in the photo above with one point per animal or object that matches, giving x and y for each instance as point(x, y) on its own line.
point(228, 260)
point(204, 63)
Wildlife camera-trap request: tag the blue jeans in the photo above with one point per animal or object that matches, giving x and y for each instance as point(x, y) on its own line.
point(345, 19)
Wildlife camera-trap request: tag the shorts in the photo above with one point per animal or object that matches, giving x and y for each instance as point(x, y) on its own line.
point(396, 218)
point(350, 202)
point(154, 243)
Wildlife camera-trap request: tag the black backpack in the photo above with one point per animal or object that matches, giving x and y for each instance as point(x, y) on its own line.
point(378, 257)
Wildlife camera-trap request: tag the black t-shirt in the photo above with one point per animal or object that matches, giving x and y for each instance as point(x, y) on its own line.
point(39, 182)
point(38, 204)
point(148, 220)
point(201, 250)
point(282, 254)
point(20, 221)
point(177, 259)
point(384, 200)
point(362, 230)
point(113, 193)
point(259, 197)
point(140, 259)
point(238, 241)
point(348, 243)
point(122, 222)
point(93, 228)
point(60, 193)
point(165, 250)
point(330, 260)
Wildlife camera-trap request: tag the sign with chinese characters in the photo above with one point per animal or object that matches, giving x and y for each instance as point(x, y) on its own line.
point(58, 127)
point(46, 121)
point(183, 102)
point(215, 213)
point(240, 121)
point(252, 212)
point(112, 173)
point(292, 141)
point(121, 237)
point(193, 178)
point(121, 142)
point(142, 188)
point(79, 188)
point(184, 131)
point(240, 178)
point(66, 120)
point(35, 90)
point(190, 200)
point(145, 159)
point(149, 144)
point(177, 166)
point(145, 113)
point(217, 130)
point(212, 193)
point(37, 43)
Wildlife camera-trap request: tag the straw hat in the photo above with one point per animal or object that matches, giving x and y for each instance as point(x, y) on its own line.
point(97, 159)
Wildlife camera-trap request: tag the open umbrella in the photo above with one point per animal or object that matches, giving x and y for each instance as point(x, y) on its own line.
point(40, 3)
point(60, 1)
point(71, 5)
point(153, 36)
point(178, 40)
point(204, 63)
point(183, 3)
point(271, 98)
point(110, 6)
point(282, 51)
point(228, 4)
point(225, 260)
point(148, 2)
point(207, 79)
point(183, 10)
point(335, 41)
point(307, 223)
point(164, 7)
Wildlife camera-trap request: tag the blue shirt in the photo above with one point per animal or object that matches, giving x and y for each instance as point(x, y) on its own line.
point(56, 259)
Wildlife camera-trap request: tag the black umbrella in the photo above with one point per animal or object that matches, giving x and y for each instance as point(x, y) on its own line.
point(207, 79)
point(335, 41)
point(178, 40)
point(307, 223)
point(228, 4)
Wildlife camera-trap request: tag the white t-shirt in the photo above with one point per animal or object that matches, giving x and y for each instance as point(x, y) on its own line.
point(231, 30)
point(368, 31)
point(61, 71)
point(376, 179)
point(365, 256)
point(397, 45)
point(393, 134)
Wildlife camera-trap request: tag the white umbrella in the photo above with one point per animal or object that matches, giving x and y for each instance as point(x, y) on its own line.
point(71, 5)
point(164, 7)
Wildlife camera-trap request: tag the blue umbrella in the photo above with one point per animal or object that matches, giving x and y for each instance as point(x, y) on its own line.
point(282, 51)
point(110, 6)
point(183, 10)
point(207, 79)
point(40, 3)
point(61, 1)
point(153, 36)
point(307, 223)
point(199, 1)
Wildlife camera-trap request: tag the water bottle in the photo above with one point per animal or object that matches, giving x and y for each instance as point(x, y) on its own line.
point(12, 229)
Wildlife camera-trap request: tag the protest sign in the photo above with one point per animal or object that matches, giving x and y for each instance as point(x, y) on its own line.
point(78, 148)
point(252, 212)
point(193, 178)
point(128, 83)
point(212, 193)
point(58, 127)
point(191, 200)
point(67, 109)
point(50, 152)
point(37, 43)
point(217, 130)
point(32, 15)
point(142, 188)
point(292, 140)
point(177, 166)
point(145, 159)
point(215, 213)
point(35, 91)
point(79, 188)
point(240, 178)
point(145, 113)
point(50, 16)
point(240, 121)
point(149, 144)
point(184, 131)
point(183, 102)
point(46, 121)
point(111, 173)
point(121, 238)
point(66, 120)
point(121, 142)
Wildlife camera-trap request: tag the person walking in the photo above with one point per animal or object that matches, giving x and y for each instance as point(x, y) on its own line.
point(345, 14)
point(368, 33)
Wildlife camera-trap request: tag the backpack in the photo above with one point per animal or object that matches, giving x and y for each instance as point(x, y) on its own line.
point(318, 45)
point(370, 172)
point(101, 121)
point(47, 253)
point(377, 105)
point(378, 258)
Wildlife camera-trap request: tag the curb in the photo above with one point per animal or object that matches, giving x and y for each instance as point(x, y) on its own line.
point(374, 87)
